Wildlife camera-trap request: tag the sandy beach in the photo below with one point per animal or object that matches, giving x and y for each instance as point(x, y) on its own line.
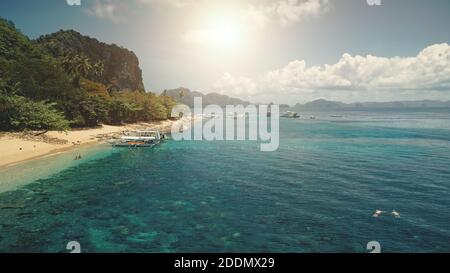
point(19, 147)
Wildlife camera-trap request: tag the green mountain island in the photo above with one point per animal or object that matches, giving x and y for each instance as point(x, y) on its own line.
point(65, 80)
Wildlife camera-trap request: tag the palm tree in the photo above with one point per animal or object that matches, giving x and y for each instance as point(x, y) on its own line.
point(83, 66)
point(76, 65)
point(68, 62)
point(99, 69)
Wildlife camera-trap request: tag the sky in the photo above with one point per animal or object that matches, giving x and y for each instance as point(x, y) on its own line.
point(281, 51)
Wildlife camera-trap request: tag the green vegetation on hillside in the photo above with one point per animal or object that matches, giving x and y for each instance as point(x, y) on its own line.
point(43, 91)
point(119, 67)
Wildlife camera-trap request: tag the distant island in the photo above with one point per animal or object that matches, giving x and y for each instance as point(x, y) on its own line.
point(186, 96)
point(322, 104)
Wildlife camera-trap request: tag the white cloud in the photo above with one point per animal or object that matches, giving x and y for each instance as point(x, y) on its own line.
point(286, 11)
point(356, 77)
point(114, 10)
point(105, 9)
point(236, 86)
point(171, 3)
point(257, 11)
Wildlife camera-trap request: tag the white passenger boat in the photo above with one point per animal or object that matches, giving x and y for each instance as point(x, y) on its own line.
point(290, 114)
point(139, 139)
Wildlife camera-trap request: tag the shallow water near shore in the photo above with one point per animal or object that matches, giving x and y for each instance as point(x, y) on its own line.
point(24, 173)
point(317, 193)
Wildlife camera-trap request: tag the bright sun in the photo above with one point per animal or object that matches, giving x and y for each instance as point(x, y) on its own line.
point(220, 32)
point(224, 33)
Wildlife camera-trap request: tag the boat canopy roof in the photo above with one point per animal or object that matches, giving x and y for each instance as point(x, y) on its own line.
point(142, 133)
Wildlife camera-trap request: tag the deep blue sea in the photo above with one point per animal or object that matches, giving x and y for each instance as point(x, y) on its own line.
point(317, 193)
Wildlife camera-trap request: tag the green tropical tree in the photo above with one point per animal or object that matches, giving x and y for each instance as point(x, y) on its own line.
point(25, 114)
point(77, 66)
point(99, 69)
point(69, 61)
point(94, 110)
point(83, 66)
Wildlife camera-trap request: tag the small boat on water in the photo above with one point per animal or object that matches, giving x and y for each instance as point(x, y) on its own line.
point(290, 114)
point(139, 139)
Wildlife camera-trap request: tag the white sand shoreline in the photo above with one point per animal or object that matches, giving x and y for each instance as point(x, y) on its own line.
point(16, 148)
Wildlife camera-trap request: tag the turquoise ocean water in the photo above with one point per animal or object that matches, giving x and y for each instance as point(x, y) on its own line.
point(317, 193)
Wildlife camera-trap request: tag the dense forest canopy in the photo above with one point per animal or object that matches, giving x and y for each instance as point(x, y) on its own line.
point(48, 85)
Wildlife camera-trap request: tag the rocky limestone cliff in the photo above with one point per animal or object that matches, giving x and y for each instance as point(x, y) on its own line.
point(122, 70)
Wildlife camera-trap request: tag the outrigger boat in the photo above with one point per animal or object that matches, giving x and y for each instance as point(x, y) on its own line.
point(290, 114)
point(139, 139)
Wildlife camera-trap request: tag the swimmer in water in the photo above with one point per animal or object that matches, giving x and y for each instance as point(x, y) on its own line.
point(378, 213)
point(396, 214)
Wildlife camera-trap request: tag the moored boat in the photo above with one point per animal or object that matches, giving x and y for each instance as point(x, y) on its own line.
point(290, 114)
point(139, 139)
